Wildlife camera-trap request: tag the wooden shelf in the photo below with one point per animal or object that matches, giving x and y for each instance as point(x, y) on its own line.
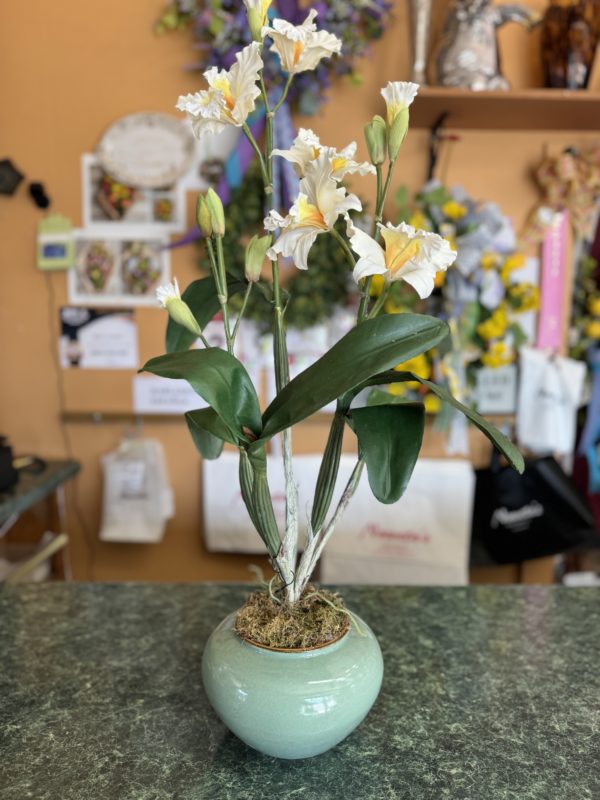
point(530, 109)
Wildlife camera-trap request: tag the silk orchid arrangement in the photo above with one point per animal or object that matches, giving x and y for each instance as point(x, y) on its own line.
point(389, 436)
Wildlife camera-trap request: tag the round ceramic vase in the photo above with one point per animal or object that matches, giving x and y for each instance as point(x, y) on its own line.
point(292, 704)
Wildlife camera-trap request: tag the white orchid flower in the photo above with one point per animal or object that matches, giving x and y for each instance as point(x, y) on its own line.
point(398, 95)
point(409, 255)
point(320, 202)
point(307, 147)
point(230, 97)
point(301, 47)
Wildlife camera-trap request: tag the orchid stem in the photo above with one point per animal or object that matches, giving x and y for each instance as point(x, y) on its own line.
point(241, 314)
point(379, 303)
point(283, 97)
point(222, 292)
point(345, 246)
point(286, 560)
point(258, 152)
point(365, 287)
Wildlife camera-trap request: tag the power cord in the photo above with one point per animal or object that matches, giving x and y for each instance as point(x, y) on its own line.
point(66, 436)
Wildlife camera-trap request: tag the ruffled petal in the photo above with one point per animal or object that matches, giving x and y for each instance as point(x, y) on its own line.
point(295, 243)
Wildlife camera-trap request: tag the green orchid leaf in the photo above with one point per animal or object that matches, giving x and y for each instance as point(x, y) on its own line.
point(208, 432)
point(221, 380)
point(375, 344)
point(389, 438)
point(499, 440)
point(201, 297)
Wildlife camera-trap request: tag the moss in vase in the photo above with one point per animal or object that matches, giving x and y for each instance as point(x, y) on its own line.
point(316, 619)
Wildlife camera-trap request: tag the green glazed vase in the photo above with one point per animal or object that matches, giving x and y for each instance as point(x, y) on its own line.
point(292, 704)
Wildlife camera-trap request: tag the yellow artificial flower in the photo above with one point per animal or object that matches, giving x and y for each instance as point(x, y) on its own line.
point(454, 210)
point(495, 326)
point(419, 220)
point(419, 365)
point(593, 305)
point(525, 296)
point(398, 389)
point(391, 306)
point(592, 329)
point(439, 280)
point(377, 285)
point(513, 262)
point(499, 355)
point(432, 403)
point(490, 260)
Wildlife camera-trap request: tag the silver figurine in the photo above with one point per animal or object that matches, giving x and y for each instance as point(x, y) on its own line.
point(468, 53)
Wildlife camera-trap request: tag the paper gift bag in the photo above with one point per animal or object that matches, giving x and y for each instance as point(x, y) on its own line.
point(421, 539)
point(227, 526)
point(137, 498)
point(550, 393)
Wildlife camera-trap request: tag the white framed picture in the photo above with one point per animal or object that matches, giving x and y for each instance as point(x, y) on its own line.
point(109, 203)
point(118, 268)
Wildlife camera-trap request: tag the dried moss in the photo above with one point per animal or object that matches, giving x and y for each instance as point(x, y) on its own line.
point(311, 622)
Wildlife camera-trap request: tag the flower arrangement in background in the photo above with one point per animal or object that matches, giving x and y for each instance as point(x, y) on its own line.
point(388, 436)
point(482, 294)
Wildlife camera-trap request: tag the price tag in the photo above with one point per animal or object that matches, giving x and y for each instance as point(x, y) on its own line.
point(497, 390)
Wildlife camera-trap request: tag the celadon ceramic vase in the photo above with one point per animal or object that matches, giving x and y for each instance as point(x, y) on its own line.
point(294, 703)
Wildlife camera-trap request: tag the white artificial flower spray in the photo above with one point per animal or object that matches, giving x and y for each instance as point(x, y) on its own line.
point(364, 357)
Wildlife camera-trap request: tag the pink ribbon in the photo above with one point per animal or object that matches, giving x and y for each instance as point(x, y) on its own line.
point(552, 290)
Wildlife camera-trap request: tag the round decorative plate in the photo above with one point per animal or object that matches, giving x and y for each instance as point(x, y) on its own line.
point(149, 150)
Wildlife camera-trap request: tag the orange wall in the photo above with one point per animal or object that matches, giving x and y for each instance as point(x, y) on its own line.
point(67, 70)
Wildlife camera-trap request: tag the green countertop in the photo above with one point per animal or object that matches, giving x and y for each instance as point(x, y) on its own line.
point(490, 693)
point(31, 488)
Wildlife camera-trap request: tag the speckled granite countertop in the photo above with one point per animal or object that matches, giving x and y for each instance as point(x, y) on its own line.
point(490, 693)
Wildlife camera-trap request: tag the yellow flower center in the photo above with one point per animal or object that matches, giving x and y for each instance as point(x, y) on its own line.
point(222, 84)
point(310, 215)
point(399, 251)
point(339, 162)
point(298, 50)
point(490, 260)
point(454, 210)
point(393, 110)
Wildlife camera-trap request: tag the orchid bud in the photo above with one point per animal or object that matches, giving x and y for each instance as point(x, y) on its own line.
point(217, 214)
point(203, 216)
point(397, 133)
point(255, 23)
point(256, 252)
point(179, 311)
point(375, 137)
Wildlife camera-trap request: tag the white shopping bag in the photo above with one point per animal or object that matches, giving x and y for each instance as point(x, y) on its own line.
point(227, 526)
point(137, 499)
point(550, 393)
point(421, 539)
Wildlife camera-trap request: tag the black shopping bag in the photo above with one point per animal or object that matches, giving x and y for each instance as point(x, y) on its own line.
point(519, 517)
